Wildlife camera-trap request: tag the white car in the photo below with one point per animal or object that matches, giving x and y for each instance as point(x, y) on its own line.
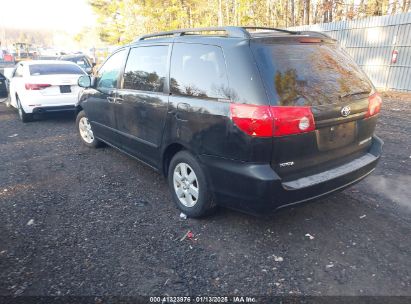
point(40, 86)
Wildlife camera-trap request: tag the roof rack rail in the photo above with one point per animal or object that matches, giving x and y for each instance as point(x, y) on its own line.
point(231, 31)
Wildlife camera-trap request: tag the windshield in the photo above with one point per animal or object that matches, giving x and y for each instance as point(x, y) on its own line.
point(82, 62)
point(309, 74)
point(53, 69)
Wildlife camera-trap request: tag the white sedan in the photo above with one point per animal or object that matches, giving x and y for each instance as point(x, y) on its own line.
point(40, 86)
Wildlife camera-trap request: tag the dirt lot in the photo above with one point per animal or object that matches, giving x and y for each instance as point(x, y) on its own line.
point(77, 221)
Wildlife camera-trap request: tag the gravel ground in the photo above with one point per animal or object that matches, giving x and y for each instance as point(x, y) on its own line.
point(78, 221)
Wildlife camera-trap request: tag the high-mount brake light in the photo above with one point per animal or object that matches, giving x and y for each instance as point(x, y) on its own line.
point(269, 121)
point(309, 40)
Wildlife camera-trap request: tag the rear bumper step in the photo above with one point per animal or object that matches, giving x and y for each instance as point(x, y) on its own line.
point(324, 176)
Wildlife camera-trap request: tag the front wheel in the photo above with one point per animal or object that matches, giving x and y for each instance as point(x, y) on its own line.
point(85, 131)
point(24, 117)
point(188, 186)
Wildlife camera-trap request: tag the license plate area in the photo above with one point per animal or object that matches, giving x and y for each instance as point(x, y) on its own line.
point(65, 89)
point(334, 137)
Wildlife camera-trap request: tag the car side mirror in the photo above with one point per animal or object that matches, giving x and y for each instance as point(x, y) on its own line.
point(89, 70)
point(93, 64)
point(85, 81)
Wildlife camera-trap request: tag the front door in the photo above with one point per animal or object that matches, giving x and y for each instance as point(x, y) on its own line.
point(101, 105)
point(143, 102)
point(16, 84)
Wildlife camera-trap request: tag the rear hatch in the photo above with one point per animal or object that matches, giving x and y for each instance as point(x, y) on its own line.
point(315, 76)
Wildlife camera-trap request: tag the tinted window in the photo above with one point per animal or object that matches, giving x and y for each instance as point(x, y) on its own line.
point(146, 69)
point(314, 74)
point(54, 69)
point(198, 70)
point(107, 76)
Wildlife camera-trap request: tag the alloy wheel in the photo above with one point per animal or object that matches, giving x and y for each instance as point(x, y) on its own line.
point(186, 184)
point(85, 130)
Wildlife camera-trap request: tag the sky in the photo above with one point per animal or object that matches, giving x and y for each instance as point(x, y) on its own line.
point(68, 15)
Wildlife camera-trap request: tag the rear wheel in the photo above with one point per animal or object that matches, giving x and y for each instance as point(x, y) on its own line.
point(188, 186)
point(85, 131)
point(24, 117)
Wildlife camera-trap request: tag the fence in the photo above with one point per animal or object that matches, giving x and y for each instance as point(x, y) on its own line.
point(372, 42)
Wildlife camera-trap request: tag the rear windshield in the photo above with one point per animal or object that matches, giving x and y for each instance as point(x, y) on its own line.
point(54, 69)
point(309, 74)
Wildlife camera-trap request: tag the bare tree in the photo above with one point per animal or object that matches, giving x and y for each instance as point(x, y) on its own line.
point(307, 11)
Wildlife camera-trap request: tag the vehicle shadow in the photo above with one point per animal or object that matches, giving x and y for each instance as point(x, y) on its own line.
point(55, 117)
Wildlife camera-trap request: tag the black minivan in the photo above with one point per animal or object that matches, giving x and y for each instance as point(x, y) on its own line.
point(250, 118)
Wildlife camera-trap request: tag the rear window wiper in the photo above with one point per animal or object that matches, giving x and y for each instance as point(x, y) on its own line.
point(355, 93)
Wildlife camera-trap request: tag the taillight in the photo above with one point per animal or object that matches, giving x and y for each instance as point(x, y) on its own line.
point(267, 121)
point(253, 119)
point(36, 86)
point(374, 104)
point(292, 120)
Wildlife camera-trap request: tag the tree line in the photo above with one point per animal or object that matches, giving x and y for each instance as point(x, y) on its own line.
point(121, 21)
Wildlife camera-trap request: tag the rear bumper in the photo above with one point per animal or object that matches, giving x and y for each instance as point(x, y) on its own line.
point(47, 103)
point(46, 109)
point(257, 189)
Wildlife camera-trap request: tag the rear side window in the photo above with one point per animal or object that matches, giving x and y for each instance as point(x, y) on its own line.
point(198, 70)
point(146, 69)
point(309, 74)
point(54, 69)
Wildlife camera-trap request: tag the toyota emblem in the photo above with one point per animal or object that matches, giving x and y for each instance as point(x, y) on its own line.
point(345, 111)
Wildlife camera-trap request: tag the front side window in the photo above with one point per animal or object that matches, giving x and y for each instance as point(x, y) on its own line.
point(107, 76)
point(198, 70)
point(146, 69)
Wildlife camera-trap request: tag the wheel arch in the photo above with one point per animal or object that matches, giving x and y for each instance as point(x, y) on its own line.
point(171, 150)
point(23, 105)
point(79, 108)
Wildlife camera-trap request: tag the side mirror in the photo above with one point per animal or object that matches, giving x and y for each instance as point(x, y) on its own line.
point(93, 64)
point(84, 81)
point(89, 70)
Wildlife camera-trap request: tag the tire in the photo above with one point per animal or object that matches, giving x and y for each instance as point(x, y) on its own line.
point(183, 186)
point(85, 131)
point(8, 102)
point(24, 117)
